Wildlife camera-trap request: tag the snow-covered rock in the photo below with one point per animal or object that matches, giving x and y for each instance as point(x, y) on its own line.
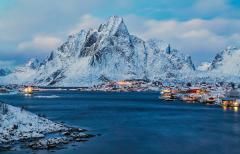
point(107, 53)
point(16, 124)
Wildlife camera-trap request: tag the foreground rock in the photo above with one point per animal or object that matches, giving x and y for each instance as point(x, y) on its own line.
point(20, 126)
point(56, 142)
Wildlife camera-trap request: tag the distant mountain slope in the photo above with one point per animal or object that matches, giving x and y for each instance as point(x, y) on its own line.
point(224, 67)
point(227, 62)
point(107, 53)
point(23, 74)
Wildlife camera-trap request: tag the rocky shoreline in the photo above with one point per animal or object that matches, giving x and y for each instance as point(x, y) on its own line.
point(64, 137)
point(20, 127)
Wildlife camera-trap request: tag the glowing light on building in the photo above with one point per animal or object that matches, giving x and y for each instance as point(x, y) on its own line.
point(28, 90)
point(123, 83)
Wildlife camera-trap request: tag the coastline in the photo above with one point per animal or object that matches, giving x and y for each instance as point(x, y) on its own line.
point(19, 126)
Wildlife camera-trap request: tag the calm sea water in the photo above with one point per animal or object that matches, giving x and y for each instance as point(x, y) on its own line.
point(138, 123)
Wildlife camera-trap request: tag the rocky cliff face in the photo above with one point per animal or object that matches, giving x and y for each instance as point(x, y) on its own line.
point(109, 53)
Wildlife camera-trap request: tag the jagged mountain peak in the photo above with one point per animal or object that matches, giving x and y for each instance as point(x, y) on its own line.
point(90, 42)
point(114, 26)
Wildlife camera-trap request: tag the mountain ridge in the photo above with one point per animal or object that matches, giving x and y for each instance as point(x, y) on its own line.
point(109, 52)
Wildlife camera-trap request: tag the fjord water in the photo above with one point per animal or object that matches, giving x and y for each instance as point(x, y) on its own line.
point(136, 123)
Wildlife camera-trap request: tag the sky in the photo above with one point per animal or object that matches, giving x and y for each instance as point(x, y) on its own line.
point(199, 28)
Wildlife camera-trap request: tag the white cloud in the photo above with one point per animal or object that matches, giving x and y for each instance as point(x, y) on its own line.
point(195, 35)
point(43, 43)
point(58, 19)
point(47, 43)
point(200, 38)
point(86, 21)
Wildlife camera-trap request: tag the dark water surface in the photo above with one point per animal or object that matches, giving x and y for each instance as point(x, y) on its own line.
point(137, 123)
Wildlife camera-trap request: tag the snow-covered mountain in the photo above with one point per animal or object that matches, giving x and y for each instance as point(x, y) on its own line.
point(225, 66)
point(109, 52)
point(227, 61)
point(22, 74)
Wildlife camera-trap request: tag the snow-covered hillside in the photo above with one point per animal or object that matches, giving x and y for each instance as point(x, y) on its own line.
point(227, 62)
point(109, 52)
point(16, 124)
point(23, 74)
point(224, 67)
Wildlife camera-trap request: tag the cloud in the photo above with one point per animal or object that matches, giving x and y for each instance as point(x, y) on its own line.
point(43, 43)
point(199, 27)
point(86, 21)
point(201, 38)
point(46, 43)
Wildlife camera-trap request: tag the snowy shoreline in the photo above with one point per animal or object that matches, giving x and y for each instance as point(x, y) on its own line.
point(18, 125)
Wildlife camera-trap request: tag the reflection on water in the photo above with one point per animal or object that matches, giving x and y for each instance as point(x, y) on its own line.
point(225, 108)
point(235, 109)
point(138, 123)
